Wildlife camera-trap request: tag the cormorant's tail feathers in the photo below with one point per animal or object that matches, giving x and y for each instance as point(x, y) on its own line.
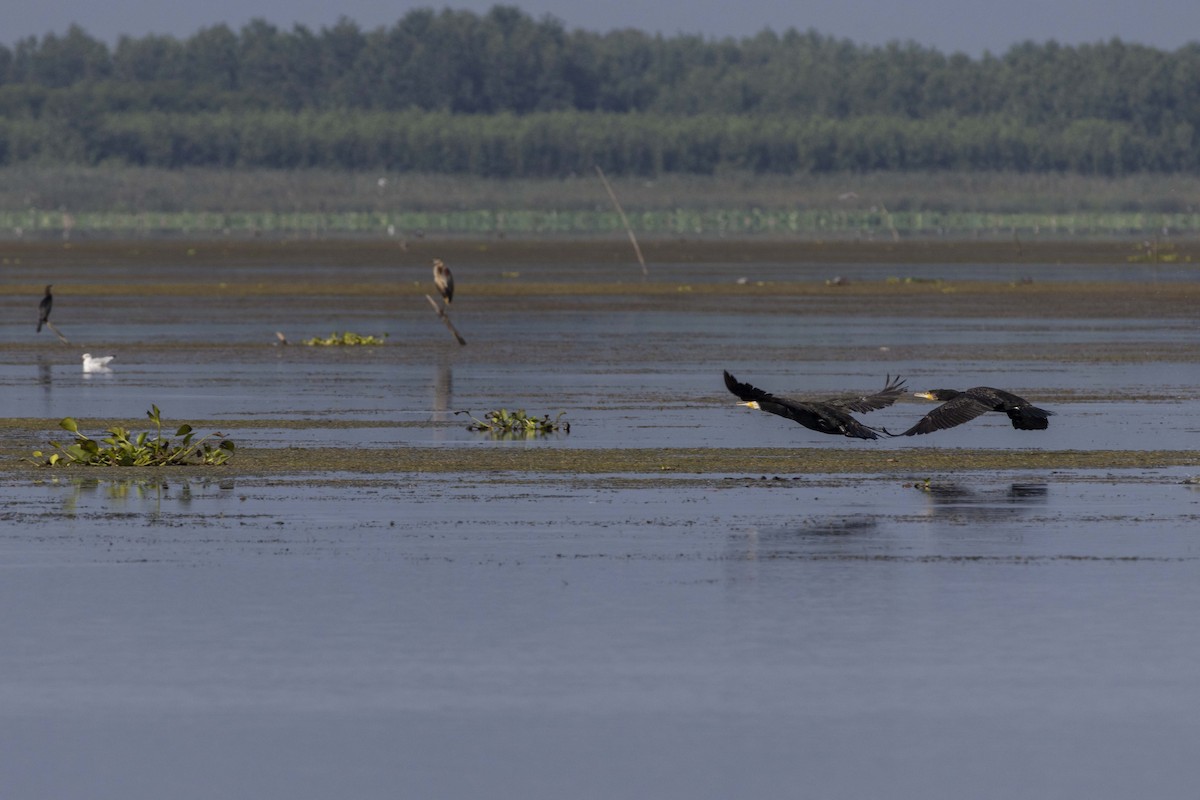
point(1030, 418)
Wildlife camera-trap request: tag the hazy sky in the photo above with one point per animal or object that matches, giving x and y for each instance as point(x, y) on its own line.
point(971, 26)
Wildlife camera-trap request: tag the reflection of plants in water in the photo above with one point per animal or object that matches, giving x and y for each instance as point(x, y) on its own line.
point(120, 491)
point(123, 491)
point(505, 424)
point(347, 339)
point(123, 449)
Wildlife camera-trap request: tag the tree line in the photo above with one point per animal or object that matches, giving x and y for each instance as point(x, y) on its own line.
point(504, 93)
point(572, 143)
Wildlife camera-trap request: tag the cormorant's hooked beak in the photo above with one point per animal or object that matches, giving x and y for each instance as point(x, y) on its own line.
point(750, 404)
point(925, 395)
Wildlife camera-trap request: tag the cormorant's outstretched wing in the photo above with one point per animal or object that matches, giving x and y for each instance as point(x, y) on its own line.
point(820, 417)
point(963, 408)
point(744, 391)
point(892, 389)
point(807, 414)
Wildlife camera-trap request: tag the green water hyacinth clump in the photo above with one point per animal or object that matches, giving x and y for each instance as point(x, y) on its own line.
point(1153, 253)
point(347, 339)
point(124, 449)
point(503, 423)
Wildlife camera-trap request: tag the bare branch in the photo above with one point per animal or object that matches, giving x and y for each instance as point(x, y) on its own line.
point(441, 312)
point(624, 220)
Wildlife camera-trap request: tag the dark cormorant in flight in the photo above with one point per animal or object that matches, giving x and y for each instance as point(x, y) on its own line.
point(824, 416)
point(443, 280)
point(44, 308)
point(959, 407)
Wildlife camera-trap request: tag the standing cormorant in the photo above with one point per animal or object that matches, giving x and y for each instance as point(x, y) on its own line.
point(824, 416)
point(44, 308)
point(443, 280)
point(959, 407)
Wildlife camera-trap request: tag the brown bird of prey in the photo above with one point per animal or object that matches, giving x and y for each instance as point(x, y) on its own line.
point(959, 407)
point(824, 416)
point(44, 308)
point(443, 280)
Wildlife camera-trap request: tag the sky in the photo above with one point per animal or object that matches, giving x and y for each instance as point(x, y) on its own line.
point(969, 26)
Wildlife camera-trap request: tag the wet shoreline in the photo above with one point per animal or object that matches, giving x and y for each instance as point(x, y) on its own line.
point(513, 458)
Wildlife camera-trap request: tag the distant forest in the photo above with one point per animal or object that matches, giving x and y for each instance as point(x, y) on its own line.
point(503, 94)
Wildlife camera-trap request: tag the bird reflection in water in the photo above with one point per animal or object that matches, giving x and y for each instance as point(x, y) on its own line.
point(797, 541)
point(956, 502)
point(443, 390)
point(45, 377)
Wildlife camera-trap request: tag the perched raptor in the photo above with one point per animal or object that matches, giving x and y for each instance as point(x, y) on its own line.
point(443, 280)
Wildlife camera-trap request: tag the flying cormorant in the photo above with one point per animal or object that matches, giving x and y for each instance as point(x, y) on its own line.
point(824, 416)
point(44, 308)
point(959, 407)
point(443, 280)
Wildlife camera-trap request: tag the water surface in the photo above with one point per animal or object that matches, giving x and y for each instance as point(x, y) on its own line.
point(545, 637)
point(973, 634)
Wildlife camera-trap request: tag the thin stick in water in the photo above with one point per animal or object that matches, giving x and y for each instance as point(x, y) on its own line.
point(891, 225)
point(56, 332)
point(441, 312)
point(624, 220)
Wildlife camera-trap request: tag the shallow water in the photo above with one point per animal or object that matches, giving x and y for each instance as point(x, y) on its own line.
point(581, 638)
point(650, 365)
point(474, 634)
point(674, 406)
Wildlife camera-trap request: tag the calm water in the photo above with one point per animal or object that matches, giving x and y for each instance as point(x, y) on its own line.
point(1002, 634)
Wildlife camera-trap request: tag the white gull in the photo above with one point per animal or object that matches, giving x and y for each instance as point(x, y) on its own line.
point(96, 363)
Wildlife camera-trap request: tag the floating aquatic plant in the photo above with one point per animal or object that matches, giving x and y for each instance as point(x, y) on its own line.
point(124, 449)
point(911, 279)
point(505, 423)
point(347, 339)
point(1153, 253)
